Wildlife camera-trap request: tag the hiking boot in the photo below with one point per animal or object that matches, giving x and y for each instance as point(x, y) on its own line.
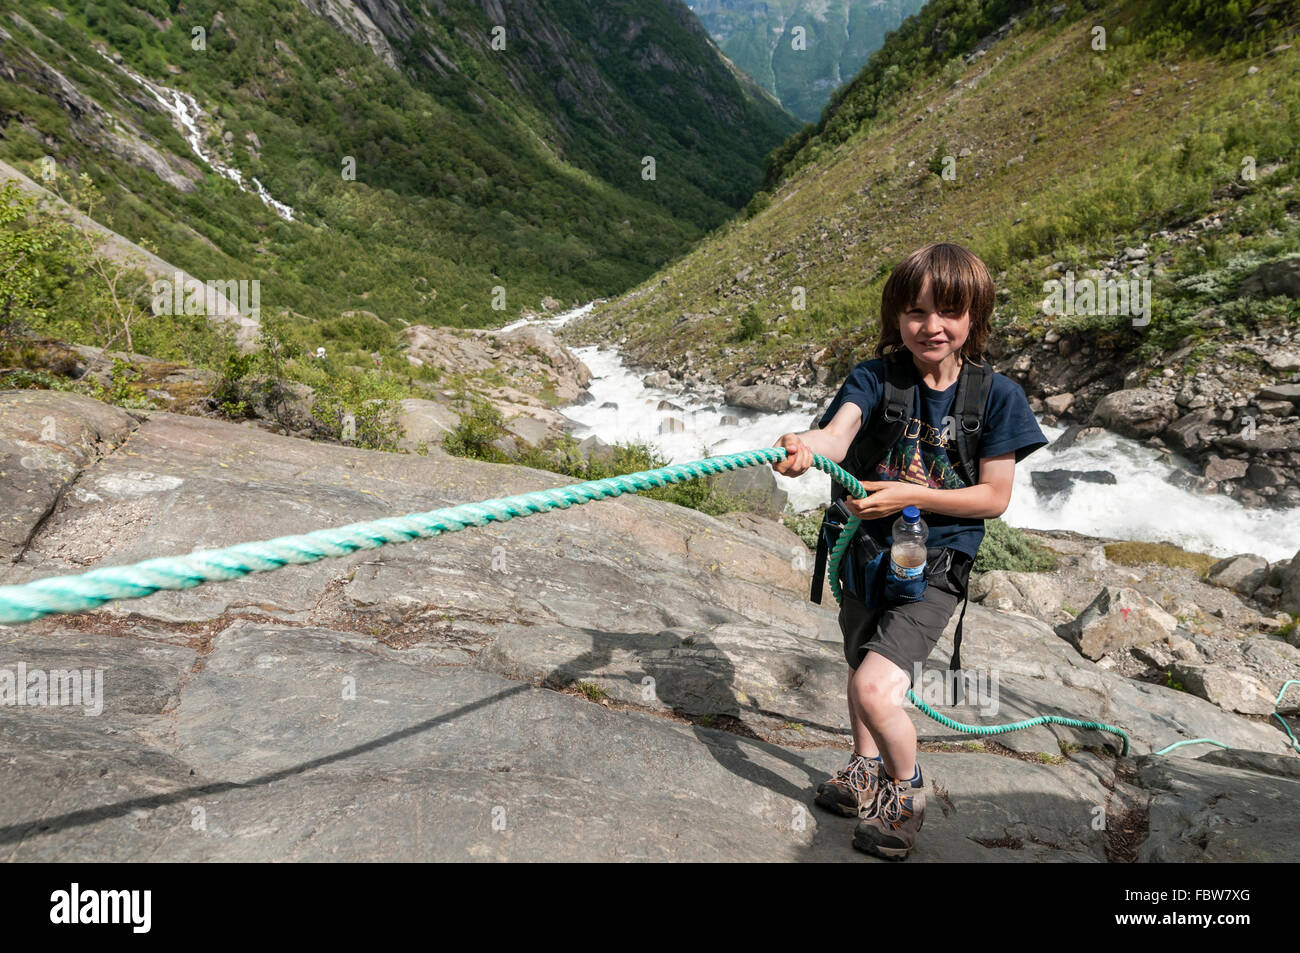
point(851, 788)
point(889, 823)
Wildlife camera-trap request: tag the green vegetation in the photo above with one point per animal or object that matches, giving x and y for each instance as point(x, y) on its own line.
point(591, 691)
point(1005, 547)
point(927, 43)
point(1052, 180)
point(1288, 629)
point(474, 434)
point(751, 325)
point(806, 527)
point(1163, 554)
point(419, 189)
point(478, 429)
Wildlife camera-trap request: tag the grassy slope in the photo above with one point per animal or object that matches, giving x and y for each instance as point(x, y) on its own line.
point(1102, 165)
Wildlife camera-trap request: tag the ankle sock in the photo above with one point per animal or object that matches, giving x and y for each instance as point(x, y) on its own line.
point(915, 780)
point(876, 758)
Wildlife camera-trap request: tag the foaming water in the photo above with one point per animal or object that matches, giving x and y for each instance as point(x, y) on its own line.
point(1141, 505)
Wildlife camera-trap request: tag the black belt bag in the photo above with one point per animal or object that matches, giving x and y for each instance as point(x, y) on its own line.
point(882, 588)
point(871, 576)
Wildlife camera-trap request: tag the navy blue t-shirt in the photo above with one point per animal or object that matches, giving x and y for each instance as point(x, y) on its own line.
point(925, 456)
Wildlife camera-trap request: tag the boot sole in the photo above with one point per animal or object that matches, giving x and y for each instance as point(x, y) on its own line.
point(867, 844)
point(875, 850)
point(843, 810)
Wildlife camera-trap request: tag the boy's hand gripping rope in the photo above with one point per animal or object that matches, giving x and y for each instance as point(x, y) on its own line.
point(83, 591)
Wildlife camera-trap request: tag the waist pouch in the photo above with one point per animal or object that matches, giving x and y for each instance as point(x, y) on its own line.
point(872, 580)
point(944, 568)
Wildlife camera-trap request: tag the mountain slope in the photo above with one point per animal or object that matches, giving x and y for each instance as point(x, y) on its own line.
point(1173, 151)
point(421, 168)
point(802, 50)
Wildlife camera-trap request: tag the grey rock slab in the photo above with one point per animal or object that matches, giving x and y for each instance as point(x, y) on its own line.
point(85, 791)
point(46, 438)
point(764, 677)
point(1044, 811)
point(1201, 811)
point(1040, 671)
point(135, 677)
point(294, 716)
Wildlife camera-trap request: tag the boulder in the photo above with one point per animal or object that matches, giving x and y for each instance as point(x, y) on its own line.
point(756, 486)
point(1137, 412)
point(1028, 593)
point(1219, 469)
point(1274, 278)
point(593, 448)
point(771, 398)
point(1231, 691)
point(1049, 483)
point(1287, 392)
point(529, 430)
point(1059, 403)
point(1190, 432)
point(1244, 573)
point(424, 423)
point(1117, 619)
point(1289, 583)
point(1260, 475)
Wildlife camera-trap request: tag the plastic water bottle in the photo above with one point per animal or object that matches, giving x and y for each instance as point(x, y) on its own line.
point(907, 555)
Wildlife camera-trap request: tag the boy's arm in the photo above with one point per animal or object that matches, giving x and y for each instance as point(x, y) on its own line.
point(986, 499)
point(831, 441)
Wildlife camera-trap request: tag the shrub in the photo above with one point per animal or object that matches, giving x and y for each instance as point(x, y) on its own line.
point(806, 526)
point(361, 409)
point(474, 434)
point(563, 456)
point(751, 325)
point(1005, 547)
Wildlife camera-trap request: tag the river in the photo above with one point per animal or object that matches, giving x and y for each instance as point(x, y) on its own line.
point(1141, 505)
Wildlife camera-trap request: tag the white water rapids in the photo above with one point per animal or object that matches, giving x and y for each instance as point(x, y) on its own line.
point(1141, 505)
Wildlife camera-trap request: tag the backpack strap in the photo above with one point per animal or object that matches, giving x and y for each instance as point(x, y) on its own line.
point(962, 566)
point(969, 404)
point(954, 665)
point(877, 436)
point(819, 568)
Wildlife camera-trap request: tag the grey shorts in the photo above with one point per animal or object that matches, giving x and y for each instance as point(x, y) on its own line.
point(905, 634)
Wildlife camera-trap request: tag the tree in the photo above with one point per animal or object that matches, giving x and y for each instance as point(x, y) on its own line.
point(25, 248)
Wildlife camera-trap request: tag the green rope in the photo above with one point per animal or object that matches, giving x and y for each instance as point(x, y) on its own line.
point(88, 590)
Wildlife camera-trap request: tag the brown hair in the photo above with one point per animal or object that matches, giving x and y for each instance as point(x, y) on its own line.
point(958, 279)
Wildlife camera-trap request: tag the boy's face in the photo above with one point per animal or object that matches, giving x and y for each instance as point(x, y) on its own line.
point(932, 336)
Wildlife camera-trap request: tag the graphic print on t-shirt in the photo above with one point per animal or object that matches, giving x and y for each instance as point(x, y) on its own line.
point(921, 456)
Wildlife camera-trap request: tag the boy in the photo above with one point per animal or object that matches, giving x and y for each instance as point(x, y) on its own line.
point(935, 319)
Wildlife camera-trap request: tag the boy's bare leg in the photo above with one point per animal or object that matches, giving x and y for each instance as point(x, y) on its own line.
point(863, 742)
point(877, 687)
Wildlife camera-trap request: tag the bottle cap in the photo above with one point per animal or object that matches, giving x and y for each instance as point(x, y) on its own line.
point(911, 514)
